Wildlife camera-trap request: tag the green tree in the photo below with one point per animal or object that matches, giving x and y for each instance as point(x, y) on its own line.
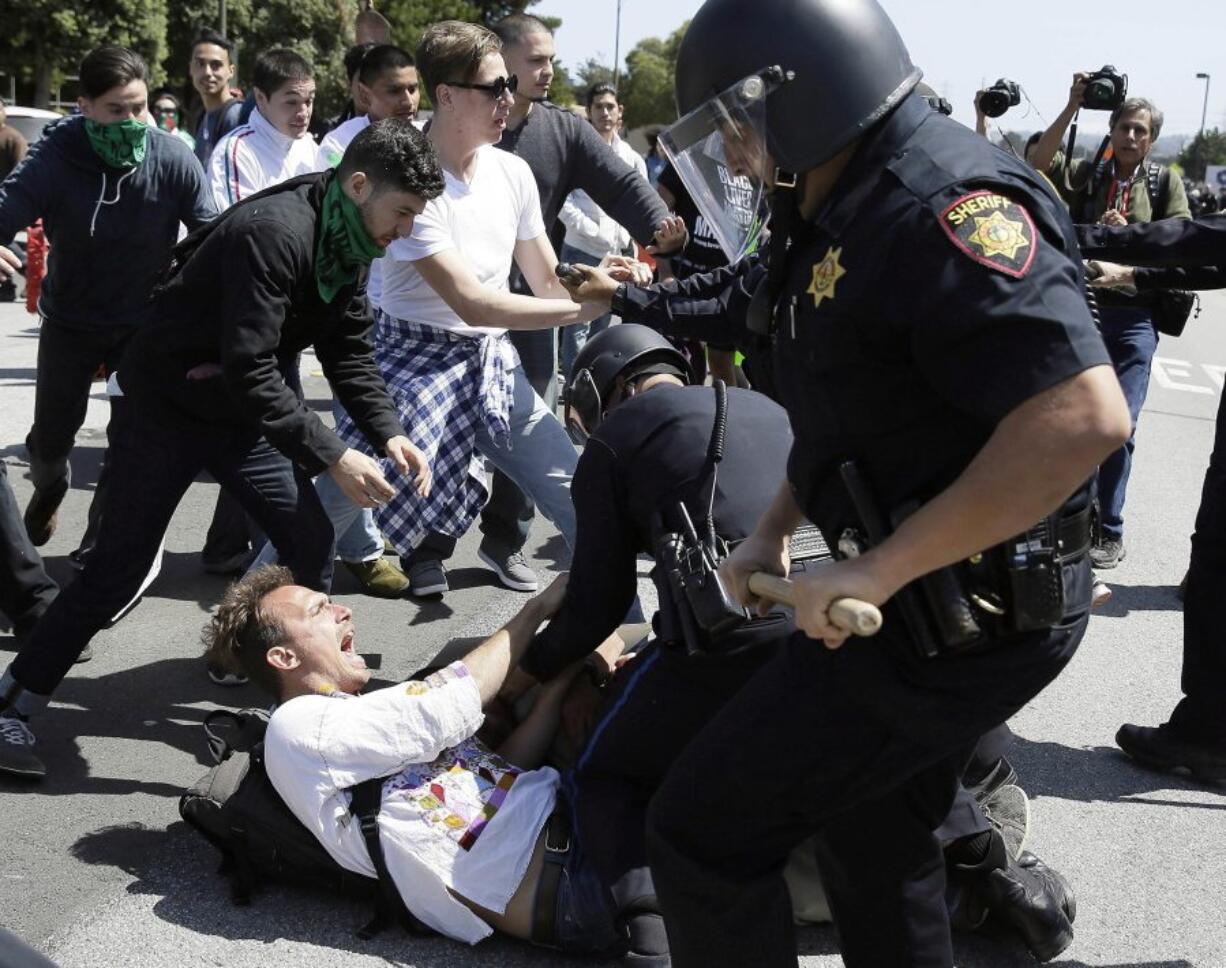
point(410, 17)
point(647, 86)
point(1203, 150)
point(43, 41)
point(589, 73)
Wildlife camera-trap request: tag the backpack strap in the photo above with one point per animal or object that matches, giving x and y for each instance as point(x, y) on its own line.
point(366, 800)
point(1158, 182)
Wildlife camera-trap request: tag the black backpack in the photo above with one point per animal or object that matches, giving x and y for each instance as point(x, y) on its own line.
point(237, 809)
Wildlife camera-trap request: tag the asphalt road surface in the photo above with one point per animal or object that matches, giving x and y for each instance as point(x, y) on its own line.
point(98, 869)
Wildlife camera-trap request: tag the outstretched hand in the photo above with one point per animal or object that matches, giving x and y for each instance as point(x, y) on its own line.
point(411, 463)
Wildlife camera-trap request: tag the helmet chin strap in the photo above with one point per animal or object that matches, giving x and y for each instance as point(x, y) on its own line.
point(784, 208)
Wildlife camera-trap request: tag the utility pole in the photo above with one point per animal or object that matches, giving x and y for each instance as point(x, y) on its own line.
point(1202, 155)
point(221, 17)
point(617, 45)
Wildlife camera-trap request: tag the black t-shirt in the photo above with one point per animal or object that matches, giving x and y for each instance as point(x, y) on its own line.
point(650, 453)
point(939, 288)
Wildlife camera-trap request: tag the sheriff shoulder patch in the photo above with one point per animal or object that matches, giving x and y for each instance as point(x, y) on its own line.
point(992, 230)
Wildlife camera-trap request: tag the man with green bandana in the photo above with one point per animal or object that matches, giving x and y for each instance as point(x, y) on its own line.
point(111, 192)
point(279, 272)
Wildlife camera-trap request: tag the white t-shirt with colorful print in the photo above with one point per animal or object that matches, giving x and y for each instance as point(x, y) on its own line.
point(455, 815)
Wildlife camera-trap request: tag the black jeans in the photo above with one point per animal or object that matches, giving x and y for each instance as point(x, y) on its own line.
point(507, 517)
point(862, 746)
point(25, 589)
point(67, 362)
point(1201, 714)
point(155, 457)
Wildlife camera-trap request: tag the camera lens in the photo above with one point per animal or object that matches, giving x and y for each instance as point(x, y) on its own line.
point(1099, 94)
point(993, 103)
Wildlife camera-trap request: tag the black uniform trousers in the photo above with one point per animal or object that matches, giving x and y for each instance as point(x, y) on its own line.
point(861, 745)
point(656, 705)
point(155, 455)
point(1201, 714)
point(25, 589)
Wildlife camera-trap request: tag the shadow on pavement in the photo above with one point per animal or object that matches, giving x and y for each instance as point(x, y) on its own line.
point(1139, 598)
point(153, 704)
point(1101, 773)
point(179, 867)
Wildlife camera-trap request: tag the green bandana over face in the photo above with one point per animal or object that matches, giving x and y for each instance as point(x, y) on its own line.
point(120, 145)
point(344, 246)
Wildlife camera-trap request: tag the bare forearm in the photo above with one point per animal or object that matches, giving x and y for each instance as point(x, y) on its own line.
point(528, 744)
point(491, 661)
point(1038, 456)
point(783, 515)
point(513, 311)
point(1046, 147)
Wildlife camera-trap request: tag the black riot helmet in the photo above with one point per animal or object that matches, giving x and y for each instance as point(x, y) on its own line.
point(845, 64)
point(627, 350)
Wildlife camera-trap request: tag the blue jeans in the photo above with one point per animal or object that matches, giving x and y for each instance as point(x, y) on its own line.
point(538, 456)
point(1131, 340)
point(574, 337)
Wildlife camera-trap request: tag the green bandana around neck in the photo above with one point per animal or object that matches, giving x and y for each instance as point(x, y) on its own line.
point(344, 247)
point(120, 145)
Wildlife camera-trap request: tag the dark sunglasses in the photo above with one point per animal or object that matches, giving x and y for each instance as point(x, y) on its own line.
point(500, 86)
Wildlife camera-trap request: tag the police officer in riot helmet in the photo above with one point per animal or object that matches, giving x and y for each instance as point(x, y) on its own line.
point(950, 398)
point(648, 472)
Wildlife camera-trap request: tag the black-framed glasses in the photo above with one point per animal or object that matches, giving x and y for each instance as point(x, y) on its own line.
point(496, 89)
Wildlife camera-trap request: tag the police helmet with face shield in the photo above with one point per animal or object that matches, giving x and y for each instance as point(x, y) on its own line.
point(801, 79)
point(627, 351)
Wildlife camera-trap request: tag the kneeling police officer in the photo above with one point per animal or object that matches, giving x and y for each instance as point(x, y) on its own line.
point(949, 397)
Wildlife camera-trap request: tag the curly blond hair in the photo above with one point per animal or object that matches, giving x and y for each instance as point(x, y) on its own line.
point(242, 631)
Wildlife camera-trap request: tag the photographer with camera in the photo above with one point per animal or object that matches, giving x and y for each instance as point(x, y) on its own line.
point(1117, 187)
point(994, 101)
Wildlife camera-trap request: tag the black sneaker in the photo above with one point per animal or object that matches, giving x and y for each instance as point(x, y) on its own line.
point(427, 577)
point(232, 563)
point(17, 748)
point(1164, 748)
point(1108, 553)
point(42, 514)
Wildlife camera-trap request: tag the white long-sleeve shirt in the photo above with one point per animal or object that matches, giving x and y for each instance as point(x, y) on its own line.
point(454, 817)
point(255, 156)
point(588, 228)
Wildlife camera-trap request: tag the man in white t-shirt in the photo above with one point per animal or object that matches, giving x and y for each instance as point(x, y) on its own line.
point(275, 144)
point(473, 839)
point(445, 308)
point(387, 78)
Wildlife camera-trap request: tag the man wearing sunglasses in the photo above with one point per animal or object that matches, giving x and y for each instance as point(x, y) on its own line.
point(564, 153)
point(441, 340)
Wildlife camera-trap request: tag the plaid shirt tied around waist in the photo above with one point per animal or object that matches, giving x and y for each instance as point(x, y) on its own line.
point(442, 384)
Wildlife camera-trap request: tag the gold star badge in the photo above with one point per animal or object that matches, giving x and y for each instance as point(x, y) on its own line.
point(825, 275)
point(997, 235)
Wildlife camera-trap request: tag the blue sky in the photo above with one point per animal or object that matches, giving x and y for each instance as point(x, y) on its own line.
point(961, 44)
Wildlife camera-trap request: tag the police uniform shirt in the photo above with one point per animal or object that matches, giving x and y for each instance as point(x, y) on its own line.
point(935, 291)
point(649, 453)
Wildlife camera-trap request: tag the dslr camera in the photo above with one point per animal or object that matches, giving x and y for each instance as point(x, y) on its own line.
point(1105, 90)
point(998, 98)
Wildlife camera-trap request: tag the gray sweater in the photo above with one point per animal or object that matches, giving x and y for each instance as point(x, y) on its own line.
point(565, 153)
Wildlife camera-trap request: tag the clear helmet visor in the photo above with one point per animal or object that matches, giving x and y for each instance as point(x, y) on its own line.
point(719, 153)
